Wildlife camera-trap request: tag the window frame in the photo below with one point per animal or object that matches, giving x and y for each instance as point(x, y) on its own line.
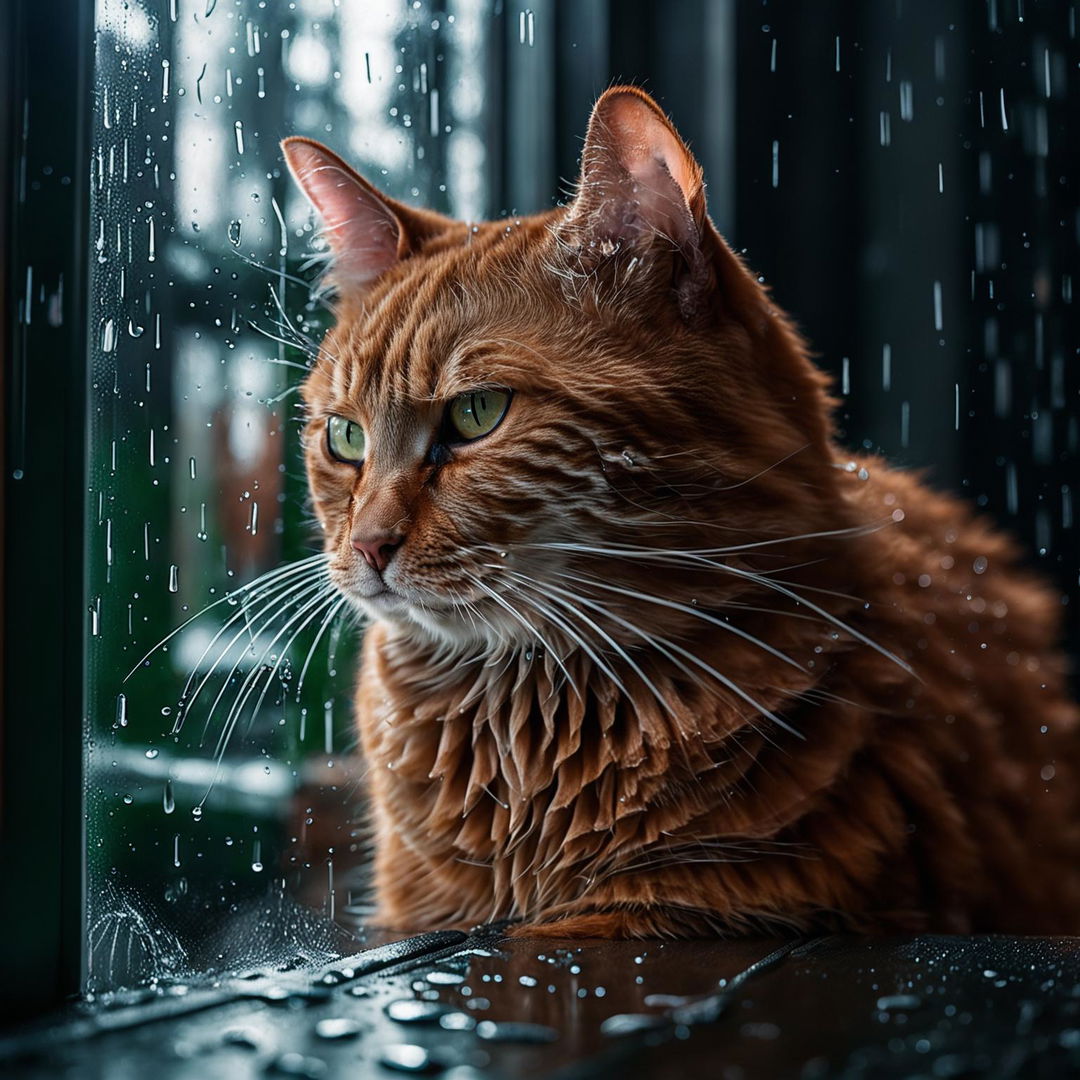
point(45, 68)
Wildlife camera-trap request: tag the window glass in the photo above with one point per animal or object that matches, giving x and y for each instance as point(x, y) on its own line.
point(219, 784)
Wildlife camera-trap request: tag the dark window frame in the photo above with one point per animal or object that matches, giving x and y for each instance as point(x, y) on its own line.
point(45, 71)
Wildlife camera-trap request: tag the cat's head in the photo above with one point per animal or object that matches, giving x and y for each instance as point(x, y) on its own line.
point(510, 417)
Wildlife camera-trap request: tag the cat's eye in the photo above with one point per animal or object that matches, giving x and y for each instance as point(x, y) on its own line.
point(477, 412)
point(346, 440)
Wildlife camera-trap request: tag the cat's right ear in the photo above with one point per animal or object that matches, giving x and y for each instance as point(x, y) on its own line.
point(368, 232)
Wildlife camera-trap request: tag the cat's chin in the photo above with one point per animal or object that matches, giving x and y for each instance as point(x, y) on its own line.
point(442, 625)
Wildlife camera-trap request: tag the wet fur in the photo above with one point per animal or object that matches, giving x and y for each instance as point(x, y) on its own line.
point(862, 744)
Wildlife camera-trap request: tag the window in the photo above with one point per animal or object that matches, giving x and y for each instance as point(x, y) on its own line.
point(899, 174)
point(212, 768)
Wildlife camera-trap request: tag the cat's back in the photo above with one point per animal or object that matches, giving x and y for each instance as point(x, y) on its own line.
point(988, 706)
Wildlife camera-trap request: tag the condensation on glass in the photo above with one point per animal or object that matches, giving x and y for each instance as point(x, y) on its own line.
point(213, 829)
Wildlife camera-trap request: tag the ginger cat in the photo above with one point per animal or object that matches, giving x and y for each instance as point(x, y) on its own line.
point(649, 653)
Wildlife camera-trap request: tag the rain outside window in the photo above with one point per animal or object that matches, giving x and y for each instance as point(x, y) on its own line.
point(220, 781)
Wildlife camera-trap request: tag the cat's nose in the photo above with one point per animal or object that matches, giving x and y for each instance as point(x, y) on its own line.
point(377, 548)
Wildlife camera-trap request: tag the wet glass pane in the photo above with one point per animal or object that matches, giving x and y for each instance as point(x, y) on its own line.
point(220, 787)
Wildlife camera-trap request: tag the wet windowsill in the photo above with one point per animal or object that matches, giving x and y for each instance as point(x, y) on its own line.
point(481, 1005)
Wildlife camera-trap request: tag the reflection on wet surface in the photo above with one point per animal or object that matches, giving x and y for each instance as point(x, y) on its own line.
point(483, 1005)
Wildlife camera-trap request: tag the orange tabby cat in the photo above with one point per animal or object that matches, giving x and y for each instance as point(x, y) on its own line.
point(650, 654)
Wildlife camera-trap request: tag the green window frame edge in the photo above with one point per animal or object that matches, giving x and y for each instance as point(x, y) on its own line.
point(46, 64)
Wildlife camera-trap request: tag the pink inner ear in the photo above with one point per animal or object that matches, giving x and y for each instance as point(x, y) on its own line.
point(364, 234)
point(631, 140)
point(647, 148)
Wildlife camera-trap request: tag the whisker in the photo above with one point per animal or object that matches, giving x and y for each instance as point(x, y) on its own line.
point(689, 610)
point(315, 644)
point(257, 583)
point(666, 645)
point(567, 605)
point(251, 680)
point(537, 636)
point(297, 594)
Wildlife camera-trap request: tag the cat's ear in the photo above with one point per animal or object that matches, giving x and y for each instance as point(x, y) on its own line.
point(640, 189)
point(368, 232)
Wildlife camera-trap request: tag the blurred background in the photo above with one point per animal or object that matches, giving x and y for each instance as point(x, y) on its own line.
point(902, 174)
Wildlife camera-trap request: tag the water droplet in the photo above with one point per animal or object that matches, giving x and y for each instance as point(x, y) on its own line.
point(168, 801)
point(512, 1031)
point(152, 753)
point(338, 1028)
point(406, 1057)
point(121, 710)
point(411, 1011)
point(197, 812)
point(293, 1064)
point(174, 578)
point(632, 1023)
point(457, 1021)
point(898, 1002)
point(445, 978)
point(128, 800)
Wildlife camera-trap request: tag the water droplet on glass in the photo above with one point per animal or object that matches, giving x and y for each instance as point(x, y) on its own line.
point(121, 710)
point(174, 578)
point(168, 802)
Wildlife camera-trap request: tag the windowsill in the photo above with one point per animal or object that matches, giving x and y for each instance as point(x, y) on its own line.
point(515, 1008)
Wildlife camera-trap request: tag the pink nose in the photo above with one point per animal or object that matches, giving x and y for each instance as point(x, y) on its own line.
point(377, 549)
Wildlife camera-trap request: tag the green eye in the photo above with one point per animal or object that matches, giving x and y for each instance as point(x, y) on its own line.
point(478, 412)
point(346, 440)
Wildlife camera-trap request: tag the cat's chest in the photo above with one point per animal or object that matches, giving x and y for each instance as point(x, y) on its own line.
point(521, 761)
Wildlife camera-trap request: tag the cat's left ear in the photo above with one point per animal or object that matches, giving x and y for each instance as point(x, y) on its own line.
point(368, 232)
point(641, 189)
